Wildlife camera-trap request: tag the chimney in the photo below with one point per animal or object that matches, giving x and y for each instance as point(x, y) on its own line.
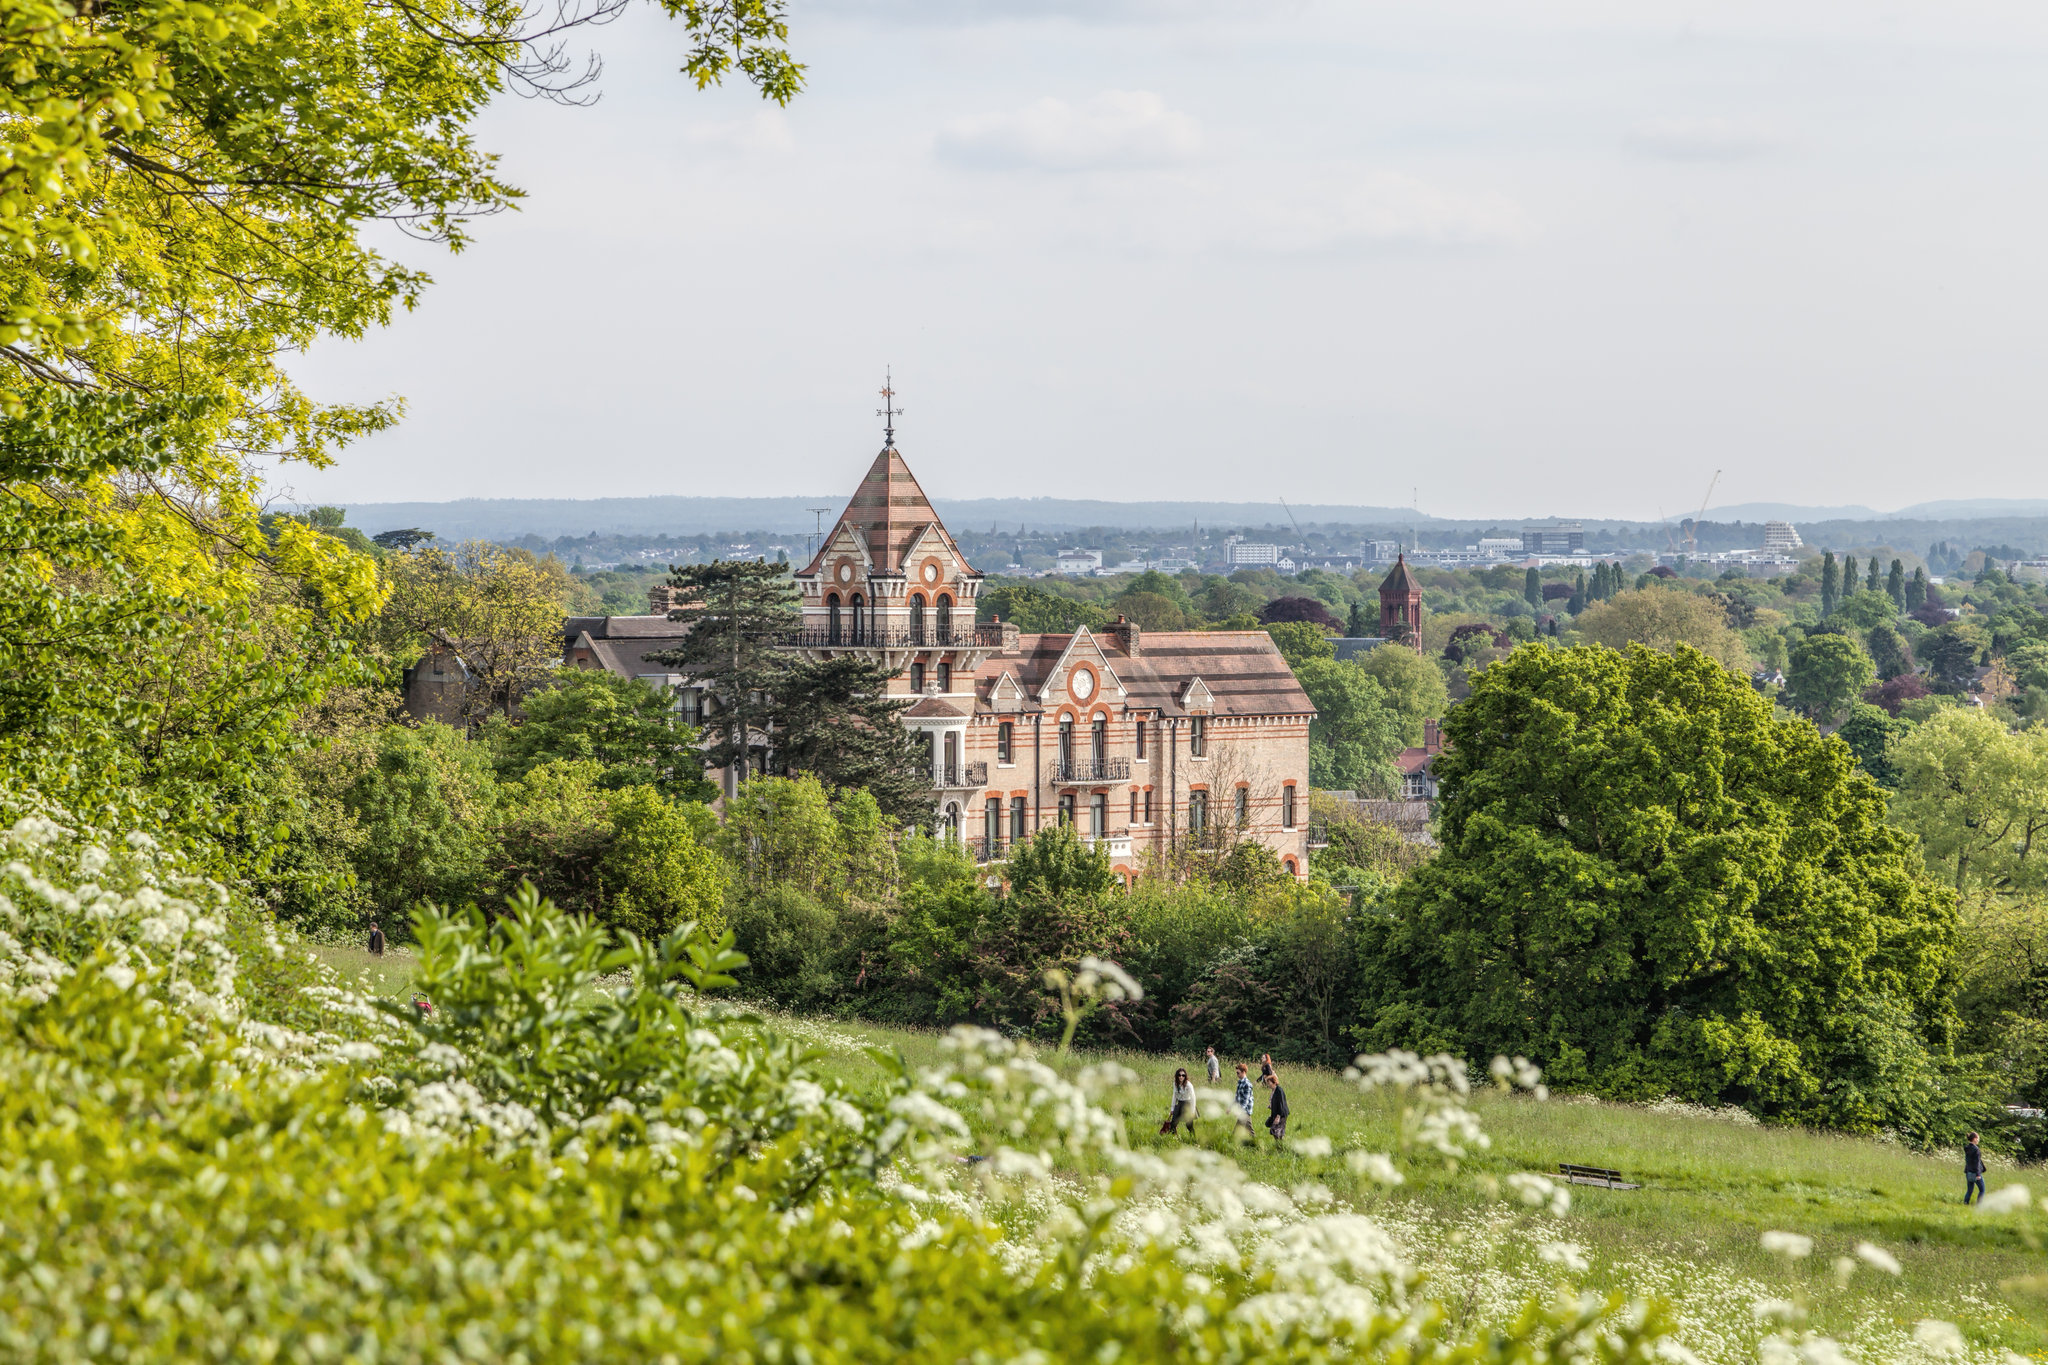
point(661, 599)
point(1127, 634)
point(1432, 737)
point(1008, 631)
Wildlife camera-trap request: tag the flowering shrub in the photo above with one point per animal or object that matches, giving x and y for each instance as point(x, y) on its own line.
point(210, 1148)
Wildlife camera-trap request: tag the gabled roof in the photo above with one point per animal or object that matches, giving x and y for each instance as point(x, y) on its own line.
point(933, 708)
point(890, 511)
point(1242, 671)
point(622, 643)
point(1398, 579)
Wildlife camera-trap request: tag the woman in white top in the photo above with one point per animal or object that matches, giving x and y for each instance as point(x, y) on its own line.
point(1183, 1103)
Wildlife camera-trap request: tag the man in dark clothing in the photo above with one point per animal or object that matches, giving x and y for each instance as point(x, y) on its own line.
point(376, 940)
point(1973, 1170)
point(1276, 1113)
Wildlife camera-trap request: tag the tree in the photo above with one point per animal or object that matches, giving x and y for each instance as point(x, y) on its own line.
point(837, 722)
point(401, 540)
point(1414, 686)
point(1870, 576)
point(1033, 610)
point(1152, 611)
point(1299, 642)
point(1977, 795)
point(1358, 625)
point(1664, 618)
point(1916, 590)
point(1873, 735)
point(425, 802)
point(632, 731)
point(1649, 886)
point(499, 609)
point(779, 831)
point(655, 875)
point(1830, 582)
point(738, 612)
point(1532, 589)
point(1577, 602)
point(1848, 575)
point(1828, 672)
point(1895, 585)
point(1862, 610)
point(1355, 733)
point(1889, 651)
point(1299, 609)
point(1892, 695)
point(1951, 653)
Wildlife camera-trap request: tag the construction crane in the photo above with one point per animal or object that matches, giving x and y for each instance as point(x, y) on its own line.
point(1692, 535)
point(1670, 542)
point(1290, 515)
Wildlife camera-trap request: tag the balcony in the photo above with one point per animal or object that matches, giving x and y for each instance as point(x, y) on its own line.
point(964, 775)
point(1116, 843)
point(1078, 772)
point(984, 850)
point(1318, 836)
point(931, 637)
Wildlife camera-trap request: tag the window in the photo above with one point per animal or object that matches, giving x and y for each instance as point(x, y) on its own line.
point(859, 628)
point(917, 678)
point(1134, 805)
point(945, 677)
point(1017, 818)
point(1004, 737)
point(952, 758)
point(832, 628)
point(945, 619)
point(992, 827)
point(1198, 736)
point(917, 619)
point(690, 703)
point(1287, 806)
point(1098, 742)
point(1244, 807)
point(1148, 805)
point(1066, 745)
point(1098, 814)
point(1141, 741)
point(1066, 808)
point(1198, 811)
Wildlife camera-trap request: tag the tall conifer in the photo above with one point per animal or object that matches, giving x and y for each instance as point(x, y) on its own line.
point(1895, 584)
point(1532, 588)
point(1830, 582)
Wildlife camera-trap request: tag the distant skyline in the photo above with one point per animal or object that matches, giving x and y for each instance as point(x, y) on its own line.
point(1501, 260)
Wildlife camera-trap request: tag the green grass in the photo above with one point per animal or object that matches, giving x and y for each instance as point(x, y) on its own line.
point(389, 975)
point(1710, 1188)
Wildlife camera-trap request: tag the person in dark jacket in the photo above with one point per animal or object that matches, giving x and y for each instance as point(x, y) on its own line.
point(1973, 1170)
point(1183, 1110)
point(1276, 1109)
point(376, 940)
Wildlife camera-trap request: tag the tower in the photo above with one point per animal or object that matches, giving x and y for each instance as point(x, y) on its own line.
point(1401, 605)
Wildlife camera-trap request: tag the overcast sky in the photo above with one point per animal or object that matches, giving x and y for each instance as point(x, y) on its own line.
point(1518, 257)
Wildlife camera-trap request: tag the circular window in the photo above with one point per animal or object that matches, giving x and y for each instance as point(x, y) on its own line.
point(846, 573)
point(1082, 684)
point(931, 573)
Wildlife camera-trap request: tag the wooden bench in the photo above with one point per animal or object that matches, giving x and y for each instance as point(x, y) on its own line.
point(1594, 1175)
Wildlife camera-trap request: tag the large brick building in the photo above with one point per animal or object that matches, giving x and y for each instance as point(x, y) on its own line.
point(1145, 741)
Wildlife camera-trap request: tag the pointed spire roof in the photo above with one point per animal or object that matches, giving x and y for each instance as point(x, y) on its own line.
point(1398, 579)
point(891, 512)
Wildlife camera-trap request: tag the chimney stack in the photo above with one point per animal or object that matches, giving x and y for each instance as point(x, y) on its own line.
point(661, 599)
point(1128, 634)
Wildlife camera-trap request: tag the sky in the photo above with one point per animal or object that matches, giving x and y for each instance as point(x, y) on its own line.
point(1495, 257)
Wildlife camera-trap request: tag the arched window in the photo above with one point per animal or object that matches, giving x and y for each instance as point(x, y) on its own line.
point(833, 628)
point(952, 822)
point(992, 827)
point(1066, 745)
point(917, 619)
point(859, 626)
point(1098, 742)
point(1098, 814)
point(952, 758)
point(945, 619)
point(1198, 811)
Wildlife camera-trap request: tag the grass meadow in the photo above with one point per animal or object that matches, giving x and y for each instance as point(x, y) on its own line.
point(1712, 1185)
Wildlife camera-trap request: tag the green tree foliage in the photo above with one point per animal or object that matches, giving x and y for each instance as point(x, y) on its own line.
point(1976, 794)
point(780, 832)
point(1152, 611)
point(1916, 590)
point(1952, 653)
point(1299, 642)
point(738, 611)
point(499, 609)
point(1652, 887)
point(1532, 589)
point(1828, 672)
point(1889, 652)
point(656, 877)
point(1895, 585)
point(1358, 624)
point(1863, 610)
point(423, 802)
point(1356, 733)
point(1414, 686)
point(1873, 735)
point(630, 730)
point(1830, 583)
point(1034, 610)
point(838, 723)
point(1664, 618)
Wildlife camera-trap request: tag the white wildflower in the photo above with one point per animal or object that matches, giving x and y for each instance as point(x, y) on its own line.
point(1311, 1146)
point(1568, 1255)
point(1792, 1246)
point(805, 1097)
point(1374, 1166)
point(1775, 1310)
point(1942, 1338)
point(1877, 1257)
point(1541, 1192)
point(121, 975)
point(2005, 1200)
point(1822, 1351)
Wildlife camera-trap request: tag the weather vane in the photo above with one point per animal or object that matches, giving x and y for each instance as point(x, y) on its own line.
point(888, 412)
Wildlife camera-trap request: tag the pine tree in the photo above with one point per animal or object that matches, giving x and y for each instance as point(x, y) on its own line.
point(1577, 602)
point(1916, 590)
point(1532, 589)
point(837, 721)
point(1599, 588)
point(1830, 582)
point(737, 610)
point(1895, 584)
point(1870, 579)
point(1848, 576)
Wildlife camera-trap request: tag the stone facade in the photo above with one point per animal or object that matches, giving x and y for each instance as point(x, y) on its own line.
point(1147, 742)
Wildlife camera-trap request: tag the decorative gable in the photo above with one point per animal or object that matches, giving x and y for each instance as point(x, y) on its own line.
point(1196, 697)
point(1006, 695)
point(1083, 655)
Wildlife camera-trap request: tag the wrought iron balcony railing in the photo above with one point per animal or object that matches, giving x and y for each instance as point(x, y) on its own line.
point(983, 849)
point(964, 774)
point(872, 637)
point(1081, 771)
point(1318, 836)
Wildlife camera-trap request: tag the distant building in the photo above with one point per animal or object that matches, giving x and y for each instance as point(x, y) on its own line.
point(1560, 538)
point(1382, 551)
point(1499, 547)
point(1418, 766)
point(1243, 553)
point(1078, 561)
point(1401, 605)
point(1780, 537)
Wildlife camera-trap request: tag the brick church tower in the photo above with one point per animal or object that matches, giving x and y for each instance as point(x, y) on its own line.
point(1401, 605)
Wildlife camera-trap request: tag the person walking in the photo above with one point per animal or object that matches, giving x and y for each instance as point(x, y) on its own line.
point(376, 940)
point(1265, 1066)
point(1276, 1111)
point(1215, 1067)
point(1973, 1170)
point(1244, 1101)
point(1183, 1110)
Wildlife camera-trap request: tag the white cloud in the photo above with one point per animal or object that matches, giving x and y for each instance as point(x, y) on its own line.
point(1707, 139)
point(1386, 210)
point(766, 132)
point(1116, 130)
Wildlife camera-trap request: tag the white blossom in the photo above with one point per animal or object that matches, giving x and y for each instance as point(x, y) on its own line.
point(1942, 1338)
point(1792, 1246)
point(2005, 1200)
